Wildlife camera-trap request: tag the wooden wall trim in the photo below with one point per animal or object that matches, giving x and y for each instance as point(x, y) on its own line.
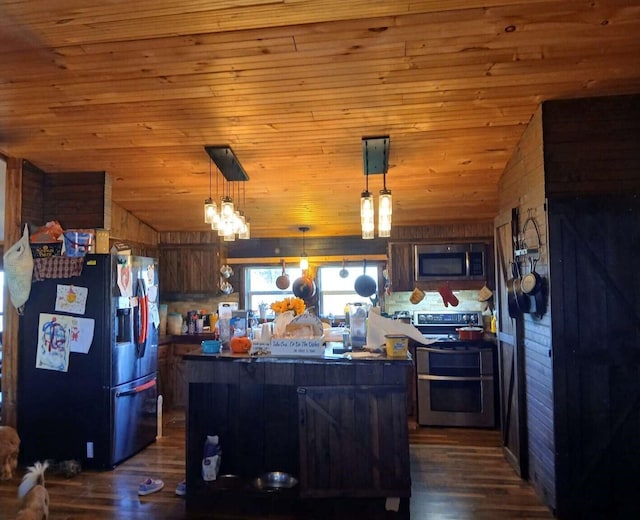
point(126, 227)
point(12, 233)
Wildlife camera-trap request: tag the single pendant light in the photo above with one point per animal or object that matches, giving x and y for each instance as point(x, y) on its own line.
point(366, 211)
point(304, 259)
point(210, 207)
point(385, 204)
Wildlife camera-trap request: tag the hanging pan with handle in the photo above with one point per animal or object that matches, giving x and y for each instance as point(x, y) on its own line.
point(365, 286)
point(282, 282)
point(518, 301)
point(532, 281)
point(343, 272)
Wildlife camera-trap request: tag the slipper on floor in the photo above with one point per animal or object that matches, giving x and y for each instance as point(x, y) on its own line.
point(150, 486)
point(181, 488)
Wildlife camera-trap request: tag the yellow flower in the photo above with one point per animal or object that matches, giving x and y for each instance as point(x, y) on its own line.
point(289, 304)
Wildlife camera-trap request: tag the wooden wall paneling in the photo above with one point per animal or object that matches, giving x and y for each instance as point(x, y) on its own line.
point(33, 195)
point(76, 200)
point(522, 186)
point(596, 152)
point(12, 233)
point(124, 226)
point(438, 231)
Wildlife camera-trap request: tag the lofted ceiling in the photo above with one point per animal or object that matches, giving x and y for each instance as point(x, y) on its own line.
point(138, 89)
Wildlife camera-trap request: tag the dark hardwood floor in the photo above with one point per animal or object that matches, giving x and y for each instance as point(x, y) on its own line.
point(457, 474)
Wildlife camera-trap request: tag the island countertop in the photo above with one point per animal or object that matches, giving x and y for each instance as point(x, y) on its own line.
point(332, 353)
point(338, 425)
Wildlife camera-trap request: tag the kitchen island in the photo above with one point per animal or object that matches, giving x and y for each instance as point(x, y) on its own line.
point(338, 425)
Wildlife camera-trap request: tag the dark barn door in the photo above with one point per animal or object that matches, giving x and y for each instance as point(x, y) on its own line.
point(510, 355)
point(595, 304)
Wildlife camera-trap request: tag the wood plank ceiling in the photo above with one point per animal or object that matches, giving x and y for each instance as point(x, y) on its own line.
point(137, 89)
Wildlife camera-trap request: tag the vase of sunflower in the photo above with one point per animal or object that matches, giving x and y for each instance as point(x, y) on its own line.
point(296, 305)
point(286, 310)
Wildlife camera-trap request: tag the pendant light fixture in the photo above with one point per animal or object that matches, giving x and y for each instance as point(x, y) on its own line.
point(304, 259)
point(210, 207)
point(385, 203)
point(366, 211)
point(229, 220)
point(375, 154)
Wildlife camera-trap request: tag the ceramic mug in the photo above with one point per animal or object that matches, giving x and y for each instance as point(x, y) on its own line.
point(416, 296)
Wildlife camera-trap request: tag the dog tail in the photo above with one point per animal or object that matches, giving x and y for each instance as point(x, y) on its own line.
point(34, 476)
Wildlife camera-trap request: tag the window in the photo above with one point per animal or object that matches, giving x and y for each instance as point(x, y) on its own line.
point(260, 283)
point(337, 292)
point(334, 292)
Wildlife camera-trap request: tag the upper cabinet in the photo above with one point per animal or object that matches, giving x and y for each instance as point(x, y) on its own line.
point(401, 266)
point(189, 270)
point(189, 263)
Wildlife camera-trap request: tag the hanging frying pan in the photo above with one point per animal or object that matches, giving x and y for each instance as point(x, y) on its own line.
point(282, 282)
point(343, 272)
point(517, 300)
point(532, 281)
point(365, 286)
point(304, 287)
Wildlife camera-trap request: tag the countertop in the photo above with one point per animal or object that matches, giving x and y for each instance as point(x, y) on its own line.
point(329, 355)
point(184, 338)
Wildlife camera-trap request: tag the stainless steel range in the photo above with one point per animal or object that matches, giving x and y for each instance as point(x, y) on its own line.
point(442, 325)
point(455, 383)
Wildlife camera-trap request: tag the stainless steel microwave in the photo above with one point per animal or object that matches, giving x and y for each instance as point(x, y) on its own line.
point(434, 262)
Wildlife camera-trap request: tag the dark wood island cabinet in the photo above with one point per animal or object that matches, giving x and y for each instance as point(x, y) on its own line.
point(339, 426)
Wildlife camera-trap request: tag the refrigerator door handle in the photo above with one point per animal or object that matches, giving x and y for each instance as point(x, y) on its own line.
point(143, 319)
point(137, 389)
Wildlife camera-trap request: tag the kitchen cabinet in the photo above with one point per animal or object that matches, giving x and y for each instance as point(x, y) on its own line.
point(339, 426)
point(178, 372)
point(401, 266)
point(192, 269)
point(342, 450)
point(164, 375)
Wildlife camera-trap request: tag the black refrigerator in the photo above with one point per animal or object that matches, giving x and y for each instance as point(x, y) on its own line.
point(88, 360)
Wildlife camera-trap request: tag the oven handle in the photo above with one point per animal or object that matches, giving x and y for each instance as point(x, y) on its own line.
point(454, 378)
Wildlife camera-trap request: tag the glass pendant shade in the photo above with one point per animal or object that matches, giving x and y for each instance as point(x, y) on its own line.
point(226, 208)
point(304, 262)
point(385, 209)
point(246, 231)
point(367, 215)
point(209, 210)
point(215, 221)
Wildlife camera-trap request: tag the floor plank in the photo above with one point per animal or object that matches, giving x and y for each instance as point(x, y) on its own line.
point(457, 474)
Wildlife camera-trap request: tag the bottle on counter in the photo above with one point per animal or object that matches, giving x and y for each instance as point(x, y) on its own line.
point(211, 458)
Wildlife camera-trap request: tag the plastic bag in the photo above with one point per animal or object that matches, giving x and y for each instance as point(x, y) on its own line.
point(50, 232)
point(18, 270)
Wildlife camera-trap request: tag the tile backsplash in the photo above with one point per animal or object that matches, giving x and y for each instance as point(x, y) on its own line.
point(399, 301)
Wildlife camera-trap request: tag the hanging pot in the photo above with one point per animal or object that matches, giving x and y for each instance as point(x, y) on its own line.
point(225, 287)
point(304, 287)
point(470, 333)
point(365, 286)
point(282, 282)
point(532, 281)
point(518, 301)
point(343, 272)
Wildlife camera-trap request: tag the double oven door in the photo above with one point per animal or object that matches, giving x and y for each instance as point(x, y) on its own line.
point(455, 386)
